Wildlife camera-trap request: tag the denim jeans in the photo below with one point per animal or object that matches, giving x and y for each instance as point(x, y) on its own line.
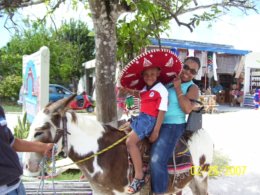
point(143, 125)
point(161, 151)
point(18, 191)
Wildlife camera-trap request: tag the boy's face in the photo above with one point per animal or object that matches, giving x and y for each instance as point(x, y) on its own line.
point(150, 76)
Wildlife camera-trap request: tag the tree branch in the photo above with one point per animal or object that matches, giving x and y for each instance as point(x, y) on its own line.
point(14, 4)
point(51, 11)
point(5, 24)
point(180, 10)
point(234, 4)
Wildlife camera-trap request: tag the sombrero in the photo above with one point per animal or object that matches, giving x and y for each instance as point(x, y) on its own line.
point(166, 60)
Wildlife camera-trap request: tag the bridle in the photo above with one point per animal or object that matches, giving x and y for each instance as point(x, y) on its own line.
point(62, 133)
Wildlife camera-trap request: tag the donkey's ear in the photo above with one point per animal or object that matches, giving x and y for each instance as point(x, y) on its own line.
point(59, 105)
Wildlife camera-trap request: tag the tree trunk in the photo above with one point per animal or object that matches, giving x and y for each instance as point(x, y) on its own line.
point(105, 15)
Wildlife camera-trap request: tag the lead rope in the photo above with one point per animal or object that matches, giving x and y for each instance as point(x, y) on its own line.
point(175, 168)
point(53, 152)
point(43, 166)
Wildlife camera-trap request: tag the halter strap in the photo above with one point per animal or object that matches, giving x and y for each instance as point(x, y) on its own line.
point(62, 133)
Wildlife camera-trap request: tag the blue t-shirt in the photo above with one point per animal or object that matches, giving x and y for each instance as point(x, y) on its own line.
point(175, 115)
point(10, 168)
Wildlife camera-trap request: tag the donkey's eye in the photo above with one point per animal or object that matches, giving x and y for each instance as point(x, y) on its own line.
point(37, 134)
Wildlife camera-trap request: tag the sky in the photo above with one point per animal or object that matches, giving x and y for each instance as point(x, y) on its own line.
point(237, 30)
point(64, 12)
point(234, 29)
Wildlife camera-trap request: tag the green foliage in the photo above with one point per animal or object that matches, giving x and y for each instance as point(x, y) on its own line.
point(10, 61)
point(21, 131)
point(221, 161)
point(151, 18)
point(10, 86)
point(76, 33)
point(11, 106)
point(69, 46)
point(149, 21)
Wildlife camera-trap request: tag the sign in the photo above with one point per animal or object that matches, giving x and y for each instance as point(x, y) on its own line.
point(35, 87)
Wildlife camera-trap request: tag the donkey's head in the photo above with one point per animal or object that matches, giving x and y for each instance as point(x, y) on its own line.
point(46, 127)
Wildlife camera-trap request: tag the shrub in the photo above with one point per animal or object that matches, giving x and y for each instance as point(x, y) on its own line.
point(10, 86)
point(21, 131)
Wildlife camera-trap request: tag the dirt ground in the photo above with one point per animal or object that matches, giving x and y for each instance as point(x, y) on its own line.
point(236, 133)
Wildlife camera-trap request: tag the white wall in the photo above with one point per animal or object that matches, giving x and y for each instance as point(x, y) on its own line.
point(252, 61)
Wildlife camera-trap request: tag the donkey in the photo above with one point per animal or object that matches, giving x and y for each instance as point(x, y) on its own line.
point(107, 172)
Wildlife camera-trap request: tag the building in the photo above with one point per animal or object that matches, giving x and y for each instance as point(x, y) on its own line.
point(220, 64)
point(252, 77)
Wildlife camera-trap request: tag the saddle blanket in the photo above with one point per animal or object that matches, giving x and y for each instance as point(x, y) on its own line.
point(182, 159)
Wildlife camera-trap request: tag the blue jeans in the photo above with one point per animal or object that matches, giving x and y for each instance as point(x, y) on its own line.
point(161, 151)
point(18, 191)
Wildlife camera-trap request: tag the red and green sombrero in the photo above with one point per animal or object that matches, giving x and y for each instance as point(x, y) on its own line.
point(166, 60)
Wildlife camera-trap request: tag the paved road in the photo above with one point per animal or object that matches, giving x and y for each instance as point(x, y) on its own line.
point(236, 134)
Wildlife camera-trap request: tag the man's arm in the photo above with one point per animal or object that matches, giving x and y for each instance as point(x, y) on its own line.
point(29, 146)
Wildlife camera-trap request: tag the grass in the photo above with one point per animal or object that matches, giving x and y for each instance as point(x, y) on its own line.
point(70, 174)
point(220, 159)
point(11, 107)
point(220, 162)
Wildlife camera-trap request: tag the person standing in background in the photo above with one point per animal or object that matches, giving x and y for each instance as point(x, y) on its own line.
point(256, 98)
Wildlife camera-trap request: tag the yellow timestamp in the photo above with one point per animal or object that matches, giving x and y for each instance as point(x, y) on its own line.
point(216, 170)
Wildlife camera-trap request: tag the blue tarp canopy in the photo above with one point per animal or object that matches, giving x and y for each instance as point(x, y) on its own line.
point(217, 48)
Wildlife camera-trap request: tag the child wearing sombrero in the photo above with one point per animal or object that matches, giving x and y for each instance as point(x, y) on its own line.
point(144, 77)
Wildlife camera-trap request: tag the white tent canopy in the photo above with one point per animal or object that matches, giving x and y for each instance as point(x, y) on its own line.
point(89, 64)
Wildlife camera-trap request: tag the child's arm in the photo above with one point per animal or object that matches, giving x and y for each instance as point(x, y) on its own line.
point(155, 134)
point(130, 91)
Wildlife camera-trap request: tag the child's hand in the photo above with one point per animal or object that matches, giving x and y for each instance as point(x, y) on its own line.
point(124, 90)
point(154, 136)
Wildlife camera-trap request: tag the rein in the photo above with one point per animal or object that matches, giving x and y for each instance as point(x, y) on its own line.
point(63, 133)
point(98, 153)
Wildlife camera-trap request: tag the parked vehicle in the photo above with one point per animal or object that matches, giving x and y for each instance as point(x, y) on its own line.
point(57, 92)
point(82, 102)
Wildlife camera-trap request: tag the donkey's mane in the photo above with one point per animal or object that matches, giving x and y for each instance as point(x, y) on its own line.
point(187, 135)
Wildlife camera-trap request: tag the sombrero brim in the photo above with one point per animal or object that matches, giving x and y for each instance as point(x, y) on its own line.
point(169, 64)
